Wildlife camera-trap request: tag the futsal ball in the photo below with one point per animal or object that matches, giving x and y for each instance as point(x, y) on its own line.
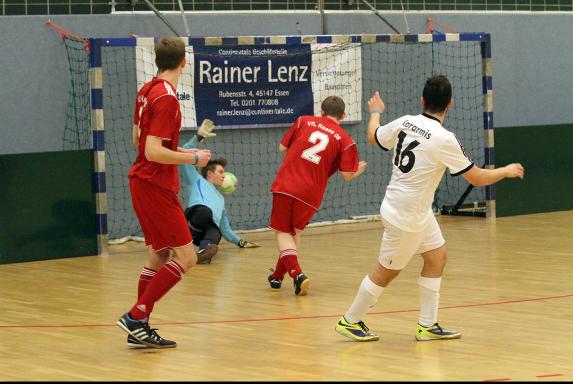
point(229, 183)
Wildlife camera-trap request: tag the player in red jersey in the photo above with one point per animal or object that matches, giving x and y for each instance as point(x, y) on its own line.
point(154, 185)
point(316, 148)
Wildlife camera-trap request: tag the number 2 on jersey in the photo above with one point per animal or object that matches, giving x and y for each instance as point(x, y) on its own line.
point(321, 142)
point(398, 160)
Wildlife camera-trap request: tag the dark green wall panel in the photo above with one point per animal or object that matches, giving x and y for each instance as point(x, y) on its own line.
point(546, 152)
point(47, 208)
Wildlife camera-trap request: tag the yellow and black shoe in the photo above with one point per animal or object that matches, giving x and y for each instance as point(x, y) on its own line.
point(435, 332)
point(355, 331)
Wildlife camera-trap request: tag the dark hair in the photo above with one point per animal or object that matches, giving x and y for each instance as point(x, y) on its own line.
point(211, 165)
point(437, 93)
point(333, 106)
point(169, 53)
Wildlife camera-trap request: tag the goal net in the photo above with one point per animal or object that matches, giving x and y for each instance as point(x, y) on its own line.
point(251, 118)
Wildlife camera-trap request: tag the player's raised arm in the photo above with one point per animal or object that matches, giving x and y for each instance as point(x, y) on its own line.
point(376, 108)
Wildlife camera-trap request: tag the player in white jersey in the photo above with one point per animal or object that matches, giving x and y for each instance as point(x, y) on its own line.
point(423, 149)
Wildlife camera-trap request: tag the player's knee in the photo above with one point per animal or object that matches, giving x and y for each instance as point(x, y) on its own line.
point(435, 261)
point(439, 258)
point(204, 214)
point(164, 252)
point(189, 262)
point(444, 259)
point(199, 217)
point(157, 260)
point(442, 262)
point(187, 257)
point(382, 275)
point(198, 223)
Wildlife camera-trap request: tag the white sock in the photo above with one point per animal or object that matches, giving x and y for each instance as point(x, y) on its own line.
point(429, 300)
point(366, 298)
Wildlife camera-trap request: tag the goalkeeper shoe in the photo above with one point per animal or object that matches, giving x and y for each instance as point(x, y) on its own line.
point(205, 255)
point(301, 283)
point(355, 331)
point(435, 332)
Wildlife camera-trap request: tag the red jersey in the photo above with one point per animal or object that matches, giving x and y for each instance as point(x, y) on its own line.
point(158, 114)
point(317, 148)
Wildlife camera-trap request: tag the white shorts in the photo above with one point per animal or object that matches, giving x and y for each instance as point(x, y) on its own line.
point(399, 246)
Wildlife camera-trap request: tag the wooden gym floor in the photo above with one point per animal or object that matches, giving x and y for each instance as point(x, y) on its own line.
point(508, 286)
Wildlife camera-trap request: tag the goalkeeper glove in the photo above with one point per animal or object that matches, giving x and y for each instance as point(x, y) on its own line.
point(205, 131)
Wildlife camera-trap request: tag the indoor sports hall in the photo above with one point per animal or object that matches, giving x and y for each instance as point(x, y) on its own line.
point(72, 248)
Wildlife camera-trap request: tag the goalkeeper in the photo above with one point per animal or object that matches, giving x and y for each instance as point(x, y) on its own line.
point(205, 212)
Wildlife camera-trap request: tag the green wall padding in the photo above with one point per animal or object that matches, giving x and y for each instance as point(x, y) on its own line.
point(47, 206)
point(547, 156)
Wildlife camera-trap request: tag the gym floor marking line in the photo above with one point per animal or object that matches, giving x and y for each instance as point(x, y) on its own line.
point(289, 318)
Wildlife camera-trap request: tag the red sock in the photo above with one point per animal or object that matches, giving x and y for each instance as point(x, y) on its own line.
point(164, 280)
point(144, 279)
point(280, 269)
point(290, 262)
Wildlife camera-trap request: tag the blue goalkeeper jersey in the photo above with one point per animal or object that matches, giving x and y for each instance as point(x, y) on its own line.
point(202, 192)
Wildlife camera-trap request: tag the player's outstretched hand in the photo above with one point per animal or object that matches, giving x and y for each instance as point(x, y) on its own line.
point(375, 103)
point(205, 131)
point(248, 244)
point(515, 170)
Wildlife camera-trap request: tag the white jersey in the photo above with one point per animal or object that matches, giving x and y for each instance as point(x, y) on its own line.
point(423, 149)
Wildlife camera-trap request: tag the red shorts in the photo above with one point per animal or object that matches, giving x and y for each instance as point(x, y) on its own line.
point(289, 214)
point(160, 215)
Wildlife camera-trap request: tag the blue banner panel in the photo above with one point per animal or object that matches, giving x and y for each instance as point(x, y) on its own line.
point(246, 84)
